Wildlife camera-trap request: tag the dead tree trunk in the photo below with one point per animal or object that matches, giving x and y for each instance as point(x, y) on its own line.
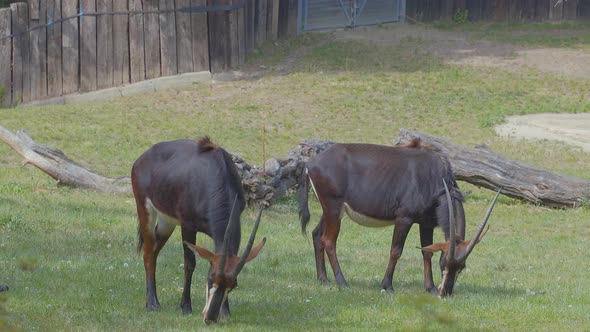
point(483, 168)
point(57, 165)
point(478, 166)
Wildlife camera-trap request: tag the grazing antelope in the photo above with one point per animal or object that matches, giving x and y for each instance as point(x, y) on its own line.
point(192, 184)
point(378, 186)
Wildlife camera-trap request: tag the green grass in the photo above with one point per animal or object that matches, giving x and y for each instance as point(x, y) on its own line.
point(69, 255)
point(569, 35)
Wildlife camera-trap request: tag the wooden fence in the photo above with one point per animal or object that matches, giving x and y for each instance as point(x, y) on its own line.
point(50, 48)
point(500, 10)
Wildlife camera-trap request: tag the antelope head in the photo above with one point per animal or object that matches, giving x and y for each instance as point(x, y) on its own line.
point(456, 250)
point(224, 270)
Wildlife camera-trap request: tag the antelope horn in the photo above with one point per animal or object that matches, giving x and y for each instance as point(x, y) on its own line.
point(478, 234)
point(452, 235)
point(226, 239)
point(248, 248)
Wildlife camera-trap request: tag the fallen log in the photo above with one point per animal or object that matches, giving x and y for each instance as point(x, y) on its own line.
point(478, 166)
point(57, 165)
point(484, 168)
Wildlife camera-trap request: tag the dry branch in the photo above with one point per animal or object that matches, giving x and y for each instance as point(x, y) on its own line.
point(484, 168)
point(478, 166)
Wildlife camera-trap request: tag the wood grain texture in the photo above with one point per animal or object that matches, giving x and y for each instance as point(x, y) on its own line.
point(120, 44)
point(184, 50)
point(200, 38)
point(5, 57)
point(54, 49)
point(69, 43)
point(484, 168)
point(88, 47)
point(104, 45)
point(151, 24)
point(136, 43)
point(169, 61)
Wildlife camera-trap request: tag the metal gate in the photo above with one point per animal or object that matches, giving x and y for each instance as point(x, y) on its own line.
point(331, 14)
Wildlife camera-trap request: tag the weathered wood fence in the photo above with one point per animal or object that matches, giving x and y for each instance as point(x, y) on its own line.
point(500, 10)
point(50, 48)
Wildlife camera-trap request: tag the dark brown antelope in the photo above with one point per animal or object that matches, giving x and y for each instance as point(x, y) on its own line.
point(192, 184)
point(378, 186)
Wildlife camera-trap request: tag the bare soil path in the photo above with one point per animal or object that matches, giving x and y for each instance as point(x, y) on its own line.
point(460, 48)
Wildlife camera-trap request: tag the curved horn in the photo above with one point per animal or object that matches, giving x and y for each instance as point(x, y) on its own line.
point(452, 234)
point(226, 239)
point(248, 248)
point(476, 236)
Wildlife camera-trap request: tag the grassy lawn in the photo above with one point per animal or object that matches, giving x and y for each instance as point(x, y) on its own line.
point(69, 255)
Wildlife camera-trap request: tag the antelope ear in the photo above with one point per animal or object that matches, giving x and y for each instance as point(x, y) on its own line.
point(435, 247)
point(254, 252)
point(204, 253)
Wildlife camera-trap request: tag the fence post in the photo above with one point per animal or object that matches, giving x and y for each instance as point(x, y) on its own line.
point(69, 43)
point(120, 43)
point(38, 17)
point(555, 10)
point(88, 46)
point(136, 43)
point(104, 44)
point(200, 38)
point(5, 52)
point(54, 49)
point(151, 25)
point(183, 38)
point(168, 39)
point(20, 53)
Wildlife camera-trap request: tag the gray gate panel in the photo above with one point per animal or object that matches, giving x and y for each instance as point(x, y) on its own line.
point(323, 14)
point(326, 14)
point(378, 11)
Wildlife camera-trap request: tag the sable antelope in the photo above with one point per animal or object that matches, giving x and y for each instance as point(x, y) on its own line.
point(192, 184)
point(378, 186)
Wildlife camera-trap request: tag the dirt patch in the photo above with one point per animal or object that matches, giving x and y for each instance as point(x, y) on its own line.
point(572, 129)
point(461, 48)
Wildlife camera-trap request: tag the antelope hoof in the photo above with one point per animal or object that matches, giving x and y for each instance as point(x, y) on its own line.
point(152, 306)
point(388, 289)
point(325, 282)
point(432, 291)
point(186, 309)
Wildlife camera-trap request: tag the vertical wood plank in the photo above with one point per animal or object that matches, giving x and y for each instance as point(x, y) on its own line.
point(184, 50)
point(542, 10)
point(528, 10)
point(168, 39)
point(274, 30)
point(20, 53)
point(34, 12)
point(555, 10)
point(151, 23)
point(240, 14)
point(292, 20)
point(104, 45)
point(88, 47)
point(71, 57)
point(219, 47)
point(234, 41)
point(200, 38)
point(261, 22)
point(5, 57)
point(54, 51)
point(136, 43)
point(120, 43)
point(570, 10)
point(250, 11)
point(38, 49)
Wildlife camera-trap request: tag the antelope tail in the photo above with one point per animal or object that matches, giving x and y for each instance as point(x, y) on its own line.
point(303, 198)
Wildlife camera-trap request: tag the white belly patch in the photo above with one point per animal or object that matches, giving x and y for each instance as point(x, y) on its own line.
point(165, 224)
point(363, 220)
